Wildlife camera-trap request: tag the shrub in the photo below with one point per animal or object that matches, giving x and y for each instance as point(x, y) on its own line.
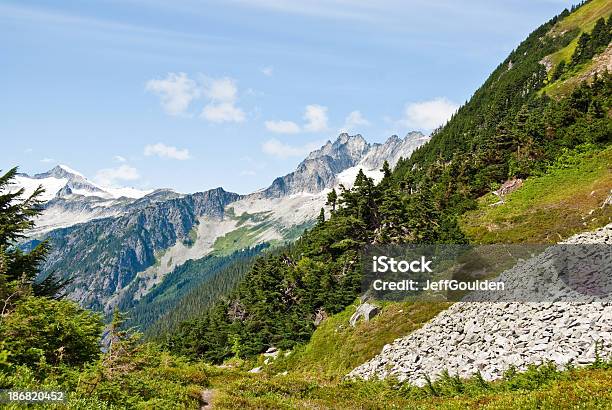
point(43, 331)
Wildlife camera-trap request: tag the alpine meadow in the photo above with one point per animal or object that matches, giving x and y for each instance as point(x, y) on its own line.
point(141, 297)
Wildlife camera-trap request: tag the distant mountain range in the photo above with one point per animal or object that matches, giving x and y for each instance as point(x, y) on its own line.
point(118, 244)
point(62, 181)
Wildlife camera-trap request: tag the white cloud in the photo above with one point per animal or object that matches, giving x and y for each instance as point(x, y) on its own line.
point(222, 112)
point(316, 118)
point(354, 120)
point(282, 127)
point(268, 71)
point(248, 173)
point(221, 89)
point(47, 160)
point(166, 151)
point(176, 92)
point(112, 176)
point(119, 158)
point(279, 149)
point(428, 115)
point(222, 93)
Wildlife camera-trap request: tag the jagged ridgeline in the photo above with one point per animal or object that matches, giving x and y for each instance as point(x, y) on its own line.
point(128, 242)
point(515, 125)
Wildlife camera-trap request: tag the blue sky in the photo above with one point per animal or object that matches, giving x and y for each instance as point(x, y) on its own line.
point(198, 94)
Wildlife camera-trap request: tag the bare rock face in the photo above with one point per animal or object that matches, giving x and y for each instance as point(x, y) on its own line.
point(491, 337)
point(509, 186)
point(111, 251)
point(320, 316)
point(365, 311)
point(320, 169)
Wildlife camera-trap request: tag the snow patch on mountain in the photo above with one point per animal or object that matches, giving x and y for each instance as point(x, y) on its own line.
point(207, 231)
point(347, 177)
point(56, 217)
point(70, 170)
point(69, 198)
point(51, 186)
point(64, 181)
point(286, 212)
point(276, 214)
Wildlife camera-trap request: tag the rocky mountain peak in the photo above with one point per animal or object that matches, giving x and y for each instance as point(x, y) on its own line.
point(351, 146)
point(415, 135)
point(321, 167)
point(63, 182)
point(392, 150)
point(60, 171)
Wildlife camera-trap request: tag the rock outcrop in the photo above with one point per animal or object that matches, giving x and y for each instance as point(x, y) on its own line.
point(365, 311)
point(491, 337)
point(320, 169)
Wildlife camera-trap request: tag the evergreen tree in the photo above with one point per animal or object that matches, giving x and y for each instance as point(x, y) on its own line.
point(584, 49)
point(321, 217)
point(18, 269)
point(386, 170)
point(36, 330)
point(332, 199)
point(600, 35)
point(559, 70)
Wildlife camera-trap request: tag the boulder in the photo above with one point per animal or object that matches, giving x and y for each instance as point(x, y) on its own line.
point(367, 311)
point(272, 352)
point(320, 316)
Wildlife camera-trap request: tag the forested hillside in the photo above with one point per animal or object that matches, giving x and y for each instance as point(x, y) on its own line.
point(191, 288)
point(543, 117)
point(507, 130)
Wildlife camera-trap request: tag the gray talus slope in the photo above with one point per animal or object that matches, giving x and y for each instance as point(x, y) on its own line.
point(490, 337)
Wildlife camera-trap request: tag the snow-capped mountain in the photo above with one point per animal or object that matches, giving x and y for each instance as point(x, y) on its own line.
point(127, 245)
point(392, 150)
point(62, 181)
point(70, 198)
point(323, 168)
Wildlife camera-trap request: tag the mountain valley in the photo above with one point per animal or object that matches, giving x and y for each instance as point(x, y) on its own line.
point(127, 241)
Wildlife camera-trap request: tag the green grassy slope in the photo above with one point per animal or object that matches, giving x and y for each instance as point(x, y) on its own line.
point(564, 201)
point(336, 348)
point(250, 229)
point(583, 18)
point(540, 387)
point(580, 21)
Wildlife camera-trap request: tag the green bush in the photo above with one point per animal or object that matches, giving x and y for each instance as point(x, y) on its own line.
point(43, 331)
point(143, 377)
